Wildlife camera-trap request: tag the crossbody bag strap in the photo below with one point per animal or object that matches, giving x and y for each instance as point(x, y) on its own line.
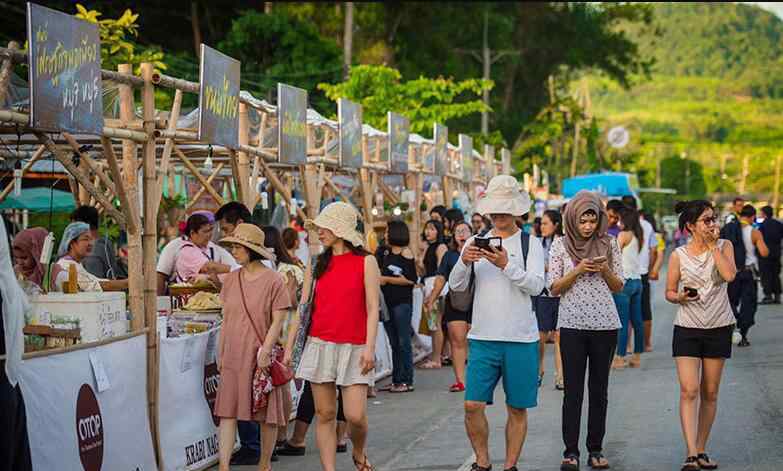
point(247, 311)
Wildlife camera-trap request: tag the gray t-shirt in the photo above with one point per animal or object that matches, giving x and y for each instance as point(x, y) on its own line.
point(103, 261)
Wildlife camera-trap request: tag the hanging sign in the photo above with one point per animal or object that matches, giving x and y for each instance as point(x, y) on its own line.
point(218, 101)
point(441, 136)
point(350, 118)
point(399, 132)
point(489, 163)
point(618, 137)
point(292, 124)
point(64, 57)
point(466, 155)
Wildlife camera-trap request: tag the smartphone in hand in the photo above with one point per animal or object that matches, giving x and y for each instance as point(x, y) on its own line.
point(599, 260)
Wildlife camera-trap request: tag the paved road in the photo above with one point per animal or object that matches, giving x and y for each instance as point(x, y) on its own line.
point(424, 430)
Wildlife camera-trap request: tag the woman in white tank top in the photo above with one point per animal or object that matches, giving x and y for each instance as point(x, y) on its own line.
point(629, 300)
point(697, 280)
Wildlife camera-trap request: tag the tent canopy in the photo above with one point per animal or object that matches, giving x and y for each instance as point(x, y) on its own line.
point(39, 200)
point(612, 184)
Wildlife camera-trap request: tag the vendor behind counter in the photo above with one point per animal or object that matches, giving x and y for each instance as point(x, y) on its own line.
point(77, 243)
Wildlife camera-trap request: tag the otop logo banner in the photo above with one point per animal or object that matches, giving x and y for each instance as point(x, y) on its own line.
point(441, 137)
point(292, 124)
point(87, 409)
point(64, 57)
point(399, 132)
point(189, 381)
point(218, 120)
point(350, 118)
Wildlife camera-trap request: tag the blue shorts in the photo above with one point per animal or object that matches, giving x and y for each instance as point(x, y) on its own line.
point(516, 362)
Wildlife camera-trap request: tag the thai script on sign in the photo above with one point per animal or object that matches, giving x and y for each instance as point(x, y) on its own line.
point(220, 101)
point(54, 62)
point(292, 126)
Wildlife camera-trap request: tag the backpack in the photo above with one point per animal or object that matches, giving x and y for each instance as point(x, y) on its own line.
point(463, 300)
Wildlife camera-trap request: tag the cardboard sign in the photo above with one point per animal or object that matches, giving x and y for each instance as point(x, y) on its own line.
point(292, 124)
point(218, 101)
point(64, 57)
point(399, 132)
point(441, 134)
point(350, 118)
point(489, 163)
point(466, 156)
point(505, 158)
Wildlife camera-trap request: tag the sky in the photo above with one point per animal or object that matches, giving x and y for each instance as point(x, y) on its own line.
point(774, 7)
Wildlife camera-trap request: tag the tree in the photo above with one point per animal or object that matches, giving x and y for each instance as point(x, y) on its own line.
point(423, 101)
point(276, 47)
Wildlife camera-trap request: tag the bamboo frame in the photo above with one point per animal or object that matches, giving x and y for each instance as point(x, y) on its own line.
point(203, 189)
point(35, 158)
point(194, 171)
point(168, 146)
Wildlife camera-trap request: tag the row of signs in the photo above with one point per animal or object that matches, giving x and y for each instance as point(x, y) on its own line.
point(65, 95)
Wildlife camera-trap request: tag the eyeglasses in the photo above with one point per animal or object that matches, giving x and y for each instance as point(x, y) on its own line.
point(709, 221)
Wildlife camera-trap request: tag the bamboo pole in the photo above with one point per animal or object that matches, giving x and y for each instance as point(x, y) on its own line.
point(447, 191)
point(193, 170)
point(35, 158)
point(120, 186)
point(83, 179)
point(346, 199)
point(5, 72)
point(149, 247)
point(167, 147)
point(312, 192)
point(129, 165)
point(388, 193)
point(367, 194)
point(201, 190)
point(243, 164)
point(279, 187)
point(24, 119)
point(91, 164)
point(416, 182)
point(233, 161)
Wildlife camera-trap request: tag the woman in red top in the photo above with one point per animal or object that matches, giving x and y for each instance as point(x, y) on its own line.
point(340, 349)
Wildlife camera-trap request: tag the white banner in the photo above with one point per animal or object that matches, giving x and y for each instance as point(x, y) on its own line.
point(87, 409)
point(188, 387)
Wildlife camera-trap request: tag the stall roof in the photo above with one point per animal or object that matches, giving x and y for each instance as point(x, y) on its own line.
point(607, 183)
point(40, 200)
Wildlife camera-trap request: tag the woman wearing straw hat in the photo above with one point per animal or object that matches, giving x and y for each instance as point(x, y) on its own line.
point(585, 268)
point(506, 269)
point(255, 304)
point(340, 348)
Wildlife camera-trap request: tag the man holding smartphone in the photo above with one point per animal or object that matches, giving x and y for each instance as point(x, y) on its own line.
point(506, 268)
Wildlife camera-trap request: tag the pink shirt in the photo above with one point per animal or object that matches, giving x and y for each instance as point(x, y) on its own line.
point(190, 260)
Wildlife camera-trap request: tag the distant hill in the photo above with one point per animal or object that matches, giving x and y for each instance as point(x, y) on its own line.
point(734, 41)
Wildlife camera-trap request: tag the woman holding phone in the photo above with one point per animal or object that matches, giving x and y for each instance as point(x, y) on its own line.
point(697, 281)
point(585, 268)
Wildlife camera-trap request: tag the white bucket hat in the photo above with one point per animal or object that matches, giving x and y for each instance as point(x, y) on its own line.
point(502, 196)
point(341, 219)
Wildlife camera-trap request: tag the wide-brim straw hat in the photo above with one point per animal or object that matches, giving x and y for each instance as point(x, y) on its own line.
point(341, 219)
point(252, 238)
point(502, 196)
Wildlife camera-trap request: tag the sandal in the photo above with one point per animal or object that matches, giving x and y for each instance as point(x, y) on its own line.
point(457, 387)
point(286, 449)
point(430, 365)
point(476, 467)
point(401, 388)
point(597, 461)
point(691, 463)
point(559, 384)
point(705, 462)
point(365, 466)
point(570, 463)
point(540, 379)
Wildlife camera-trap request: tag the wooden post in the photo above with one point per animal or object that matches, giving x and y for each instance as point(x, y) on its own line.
point(448, 191)
point(242, 177)
point(149, 247)
point(129, 166)
point(416, 183)
point(312, 192)
point(167, 147)
point(367, 197)
point(776, 188)
point(129, 209)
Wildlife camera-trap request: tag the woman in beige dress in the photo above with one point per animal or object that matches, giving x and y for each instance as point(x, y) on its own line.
point(697, 281)
point(255, 303)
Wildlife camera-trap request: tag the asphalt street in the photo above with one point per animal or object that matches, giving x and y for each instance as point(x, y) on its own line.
point(424, 430)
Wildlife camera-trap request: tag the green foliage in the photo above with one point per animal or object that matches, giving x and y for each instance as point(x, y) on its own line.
point(117, 40)
point(276, 48)
point(424, 101)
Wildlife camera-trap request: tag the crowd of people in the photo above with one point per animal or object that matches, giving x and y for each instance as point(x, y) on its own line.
point(497, 289)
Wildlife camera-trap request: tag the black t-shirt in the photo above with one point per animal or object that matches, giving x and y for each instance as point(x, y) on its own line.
point(447, 264)
point(395, 294)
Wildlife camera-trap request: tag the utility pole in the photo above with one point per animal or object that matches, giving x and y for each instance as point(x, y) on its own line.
point(347, 40)
point(776, 188)
point(487, 58)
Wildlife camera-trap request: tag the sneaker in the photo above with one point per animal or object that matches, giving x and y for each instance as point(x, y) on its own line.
point(287, 449)
point(245, 457)
point(743, 343)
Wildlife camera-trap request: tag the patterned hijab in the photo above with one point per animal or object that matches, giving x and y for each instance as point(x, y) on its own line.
point(31, 242)
point(600, 243)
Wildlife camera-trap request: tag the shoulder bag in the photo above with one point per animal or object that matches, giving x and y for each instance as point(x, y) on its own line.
point(305, 311)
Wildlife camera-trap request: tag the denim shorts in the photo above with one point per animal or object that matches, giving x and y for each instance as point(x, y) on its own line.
point(515, 362)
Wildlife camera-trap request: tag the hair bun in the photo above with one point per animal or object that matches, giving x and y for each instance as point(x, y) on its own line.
point(680, 206)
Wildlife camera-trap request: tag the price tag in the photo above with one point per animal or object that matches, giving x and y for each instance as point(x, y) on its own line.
point(99, 371)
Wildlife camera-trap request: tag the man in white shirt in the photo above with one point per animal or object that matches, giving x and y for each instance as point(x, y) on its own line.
point(503, 340)
point(647, 257)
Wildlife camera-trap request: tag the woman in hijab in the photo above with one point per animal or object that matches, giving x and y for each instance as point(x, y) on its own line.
point(76, 245)
point(14, 449)
point(27, 247)
point(585, 268)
